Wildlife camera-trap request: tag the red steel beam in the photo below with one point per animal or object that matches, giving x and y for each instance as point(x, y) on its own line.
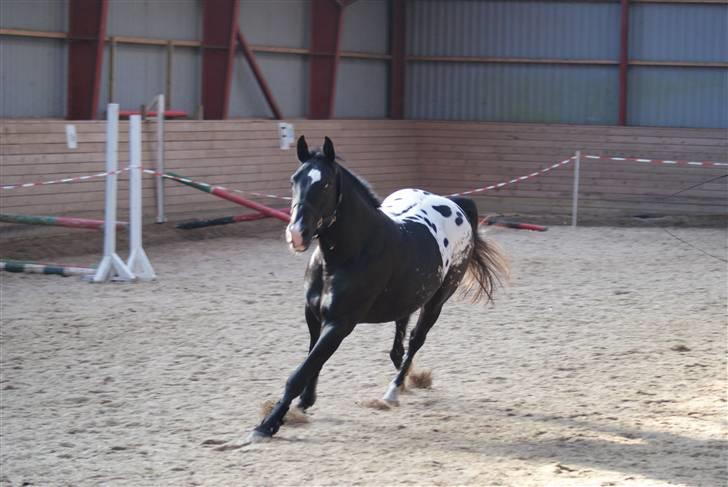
point(398, 64)
point(219, 26)
point(326, 19)
point(250, 57)
point(86, 35)
point(623, 61)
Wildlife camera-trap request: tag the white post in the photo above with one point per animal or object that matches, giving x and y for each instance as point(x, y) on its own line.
point(111, 265)
point(575, 198)
point(138, 262)
point(161, 218)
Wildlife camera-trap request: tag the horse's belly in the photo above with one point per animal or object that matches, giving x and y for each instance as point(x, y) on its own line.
point(444, 220)
point(403, 298)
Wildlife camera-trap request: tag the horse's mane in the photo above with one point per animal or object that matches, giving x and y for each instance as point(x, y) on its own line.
point(359, 183)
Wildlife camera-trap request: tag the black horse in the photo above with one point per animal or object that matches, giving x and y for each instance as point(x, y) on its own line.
point(375, 262)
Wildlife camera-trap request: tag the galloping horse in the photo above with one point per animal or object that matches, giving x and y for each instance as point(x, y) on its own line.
point(375, 262)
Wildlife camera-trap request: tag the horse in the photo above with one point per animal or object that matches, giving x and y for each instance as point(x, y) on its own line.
point(374, 263)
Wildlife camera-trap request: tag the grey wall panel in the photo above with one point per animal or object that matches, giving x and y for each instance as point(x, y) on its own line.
point(660, 32)
point(275, 22)
point(32, 78)
point(678, 97)
point(150, 78)
point(178, 19)
point(186, 80)
point(514, 93)
point(140, 75)
point(287, 77)
point(366, 26)
point(361, 89)
point(51, 15)
point(574, 30)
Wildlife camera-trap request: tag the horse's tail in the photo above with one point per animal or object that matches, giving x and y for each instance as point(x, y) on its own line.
point(488, 266)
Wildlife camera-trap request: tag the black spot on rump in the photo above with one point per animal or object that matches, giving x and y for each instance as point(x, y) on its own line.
point(426, 192)
point(405, 210)
point(446, 242)
point(444, 210)
point(459, 220)
point(431, 225)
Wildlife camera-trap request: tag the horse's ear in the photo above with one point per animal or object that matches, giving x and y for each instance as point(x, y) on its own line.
point(303, 153)
point(329, 149)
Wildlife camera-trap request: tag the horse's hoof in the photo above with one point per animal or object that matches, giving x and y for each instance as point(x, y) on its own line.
point(252, 438)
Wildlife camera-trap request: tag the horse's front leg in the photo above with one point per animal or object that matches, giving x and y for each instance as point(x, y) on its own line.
point(331, 337)
point(397, 351)
point(308, 397)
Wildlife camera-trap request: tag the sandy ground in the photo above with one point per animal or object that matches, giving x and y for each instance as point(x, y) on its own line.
point(602, 365)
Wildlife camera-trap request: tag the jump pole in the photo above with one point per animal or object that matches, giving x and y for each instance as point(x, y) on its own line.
point(57, 221)
point(511, 224)
point(138, 262)
point(225, 220)
point(111, 265)
point(221, 193)
point(37, 268)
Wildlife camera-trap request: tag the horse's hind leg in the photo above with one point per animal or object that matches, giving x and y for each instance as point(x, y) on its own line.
point(308, 397)
point(428, 316)
point(397, 347)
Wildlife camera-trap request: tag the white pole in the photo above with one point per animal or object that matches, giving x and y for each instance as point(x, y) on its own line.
point(161, 217)
point(575, 198)
point(138, 261)
point(111, 265)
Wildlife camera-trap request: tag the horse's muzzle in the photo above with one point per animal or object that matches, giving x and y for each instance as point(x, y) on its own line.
point(297, 237)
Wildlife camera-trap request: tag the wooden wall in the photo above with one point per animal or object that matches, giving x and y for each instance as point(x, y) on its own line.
point(238, 154)
point(456, 156)
point(444, 157)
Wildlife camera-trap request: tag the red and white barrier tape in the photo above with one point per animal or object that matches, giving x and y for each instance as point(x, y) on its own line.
point(515, 180)
point(676, 162)
point(239, 191)
point(65, 180)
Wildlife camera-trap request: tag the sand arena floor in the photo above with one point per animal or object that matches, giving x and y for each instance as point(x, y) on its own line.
point(603, 364)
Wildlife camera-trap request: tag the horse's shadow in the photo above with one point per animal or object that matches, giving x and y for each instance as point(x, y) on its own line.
point(611, 447)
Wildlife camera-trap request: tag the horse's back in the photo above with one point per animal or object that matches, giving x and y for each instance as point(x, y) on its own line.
point(443, 218)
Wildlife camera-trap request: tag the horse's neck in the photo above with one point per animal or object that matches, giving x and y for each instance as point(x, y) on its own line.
point(356, 221)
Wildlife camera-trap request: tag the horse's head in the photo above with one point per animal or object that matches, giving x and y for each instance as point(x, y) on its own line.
point(316, 187)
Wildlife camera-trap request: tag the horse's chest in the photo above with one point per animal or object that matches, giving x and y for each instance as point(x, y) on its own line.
point(444, 219)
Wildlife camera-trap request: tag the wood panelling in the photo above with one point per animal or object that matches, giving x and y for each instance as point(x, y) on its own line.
point(458, 156)
point(444, 157)
point(237, 154)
